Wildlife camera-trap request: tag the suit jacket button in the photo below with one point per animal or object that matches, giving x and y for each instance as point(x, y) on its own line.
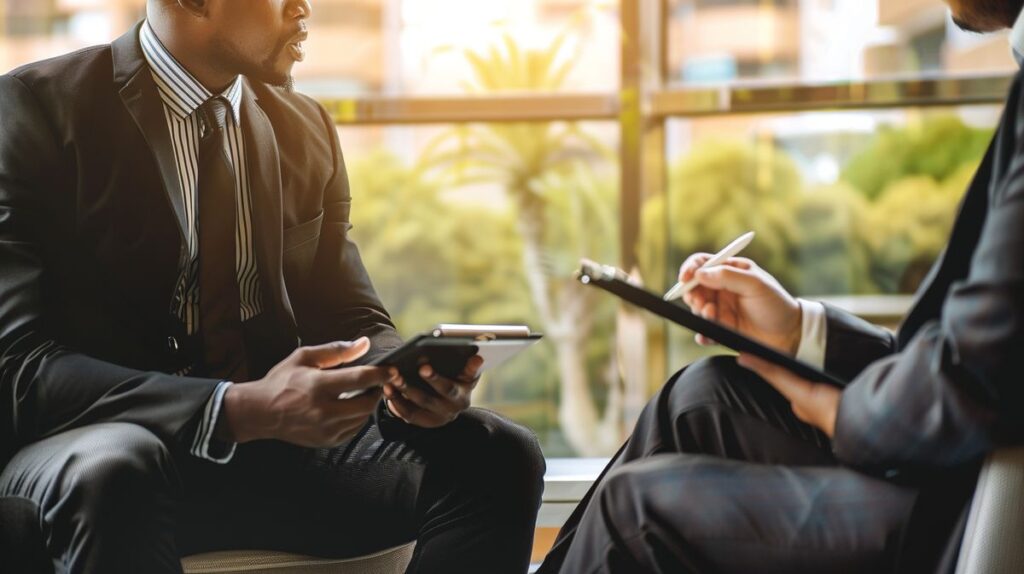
point(172, 344)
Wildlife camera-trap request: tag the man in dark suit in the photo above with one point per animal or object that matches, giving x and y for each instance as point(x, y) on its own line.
point(741, 466)
point(182, 320)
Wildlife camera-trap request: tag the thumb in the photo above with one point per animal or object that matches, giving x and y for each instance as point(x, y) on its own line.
point(728, 278)
point(334, 353)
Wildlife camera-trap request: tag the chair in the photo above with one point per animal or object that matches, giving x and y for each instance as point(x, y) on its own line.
point(390, 561)
point(994, 537)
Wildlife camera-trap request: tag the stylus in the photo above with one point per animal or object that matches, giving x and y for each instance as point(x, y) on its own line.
point(731, 250)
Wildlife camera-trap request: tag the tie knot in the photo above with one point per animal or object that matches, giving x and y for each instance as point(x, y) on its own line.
point(215, 113)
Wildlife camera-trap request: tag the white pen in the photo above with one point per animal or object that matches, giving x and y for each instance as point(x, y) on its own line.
point(731, 250)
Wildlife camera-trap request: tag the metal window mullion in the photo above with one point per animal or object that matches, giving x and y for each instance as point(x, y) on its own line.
point(642, 170)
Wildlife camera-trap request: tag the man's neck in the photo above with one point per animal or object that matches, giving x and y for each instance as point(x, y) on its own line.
point(191, 57)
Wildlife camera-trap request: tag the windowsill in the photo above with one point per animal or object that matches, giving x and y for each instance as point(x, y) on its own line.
point(566, 481)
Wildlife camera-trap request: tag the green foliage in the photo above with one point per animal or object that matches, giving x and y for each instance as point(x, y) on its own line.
point(832, 253)
point(912, 219)
point(877, 230)
point(580, 216)
point(426, 255)
point(721, 190)
point(839, 239)
point(936, 147)
point(505, 66)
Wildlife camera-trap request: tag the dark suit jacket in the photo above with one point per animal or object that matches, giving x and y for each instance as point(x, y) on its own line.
point(930, 401)
point(91, 245)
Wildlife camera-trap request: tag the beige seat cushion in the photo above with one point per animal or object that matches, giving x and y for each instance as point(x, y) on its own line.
point(995, 525)
point(391, 561)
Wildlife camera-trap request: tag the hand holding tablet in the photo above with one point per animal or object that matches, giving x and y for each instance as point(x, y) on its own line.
point(448, 347)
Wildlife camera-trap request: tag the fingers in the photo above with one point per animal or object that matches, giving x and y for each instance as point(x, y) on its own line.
point(691, 265)
point(698, 260)
point(740, 263)
point(472, 371)
point(700, 294)
point(450, 397)
point(357, 407)
point(335, 382)
point(698, 297)
point(814, 403)
point(332, 354)
point(729, 278)
point(729, 313)
point(441, 385)
point(405, 409)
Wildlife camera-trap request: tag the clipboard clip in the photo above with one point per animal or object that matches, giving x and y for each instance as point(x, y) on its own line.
point(594, 271)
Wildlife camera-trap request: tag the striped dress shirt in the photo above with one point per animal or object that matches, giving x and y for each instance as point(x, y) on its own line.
point(182, 96)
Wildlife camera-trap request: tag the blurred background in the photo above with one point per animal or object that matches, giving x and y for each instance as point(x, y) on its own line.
point(491, 144)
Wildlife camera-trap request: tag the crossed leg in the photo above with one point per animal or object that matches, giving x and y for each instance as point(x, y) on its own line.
point(720, 476)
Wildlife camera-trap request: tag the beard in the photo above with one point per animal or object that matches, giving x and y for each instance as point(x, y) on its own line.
point(986, 15)
point(265, 71)
point(965, 26)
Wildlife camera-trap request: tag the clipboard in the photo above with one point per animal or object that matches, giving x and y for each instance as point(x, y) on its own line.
point(447, 348)
point(618, 283)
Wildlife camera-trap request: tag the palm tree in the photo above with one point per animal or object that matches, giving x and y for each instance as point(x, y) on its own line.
point(563, 211)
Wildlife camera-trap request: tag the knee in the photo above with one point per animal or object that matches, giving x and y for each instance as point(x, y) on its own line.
point(509, 456)
point(118, 470)
point(628, 496)
point(703, 383)
point(646, 492)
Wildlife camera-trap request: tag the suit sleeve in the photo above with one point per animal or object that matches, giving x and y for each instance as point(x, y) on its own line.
point(851, 343)
point(956, 389)
point(341, 302)
point(47, 387)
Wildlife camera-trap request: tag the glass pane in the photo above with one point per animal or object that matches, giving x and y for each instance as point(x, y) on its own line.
point(486, 223)
point(854, 204)
point(373, 47)
point(823, 40)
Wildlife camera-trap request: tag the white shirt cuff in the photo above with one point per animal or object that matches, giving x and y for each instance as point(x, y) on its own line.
point(813, 331)
point(205, 445)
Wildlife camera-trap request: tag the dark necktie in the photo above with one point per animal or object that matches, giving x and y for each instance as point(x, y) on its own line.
point(220, 323)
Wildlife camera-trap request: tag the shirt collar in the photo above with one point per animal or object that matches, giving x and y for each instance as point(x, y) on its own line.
point(1017, 39)
point(180, 90)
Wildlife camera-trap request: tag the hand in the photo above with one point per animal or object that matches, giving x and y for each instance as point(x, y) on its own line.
point(298, 402)
point(741, 295)
point(423, 409)
point(816, 404)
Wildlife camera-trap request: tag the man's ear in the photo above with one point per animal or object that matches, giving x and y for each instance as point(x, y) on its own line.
point(197, 8)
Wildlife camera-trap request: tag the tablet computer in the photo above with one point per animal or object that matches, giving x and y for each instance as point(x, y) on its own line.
point(618, 283)
point(447, 348)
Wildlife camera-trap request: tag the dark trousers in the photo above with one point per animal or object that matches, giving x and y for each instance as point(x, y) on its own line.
point(720, 476)
point(111, 498)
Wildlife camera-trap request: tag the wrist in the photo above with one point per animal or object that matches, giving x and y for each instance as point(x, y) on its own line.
point(238, 414)
point(796, 329)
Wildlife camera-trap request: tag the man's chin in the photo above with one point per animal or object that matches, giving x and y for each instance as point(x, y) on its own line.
point(272, 77)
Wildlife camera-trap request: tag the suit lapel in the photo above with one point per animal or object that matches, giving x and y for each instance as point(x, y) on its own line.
point(264, 169)
point(141, 99)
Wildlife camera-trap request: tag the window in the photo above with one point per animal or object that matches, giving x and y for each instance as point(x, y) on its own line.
point(714, 41)
point(484, 223)
point(492, 143)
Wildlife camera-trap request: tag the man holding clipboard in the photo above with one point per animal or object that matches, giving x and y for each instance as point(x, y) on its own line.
point(740, 465)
